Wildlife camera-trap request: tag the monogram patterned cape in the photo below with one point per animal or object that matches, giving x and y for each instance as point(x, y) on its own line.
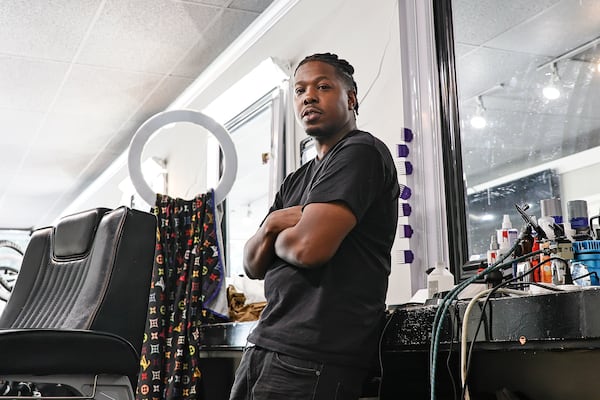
point(187, 290)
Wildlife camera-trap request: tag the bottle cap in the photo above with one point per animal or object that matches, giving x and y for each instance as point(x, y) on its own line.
point(551, 208)
point(506, 224)
point(494, 242)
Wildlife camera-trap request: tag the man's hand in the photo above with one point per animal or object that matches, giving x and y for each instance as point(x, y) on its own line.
point(282, 219)
point(317, 236)
point(259, 251)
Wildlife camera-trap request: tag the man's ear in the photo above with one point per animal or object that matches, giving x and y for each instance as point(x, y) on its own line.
point(351, 99)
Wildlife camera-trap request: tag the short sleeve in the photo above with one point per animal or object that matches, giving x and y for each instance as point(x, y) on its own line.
point(354, 175)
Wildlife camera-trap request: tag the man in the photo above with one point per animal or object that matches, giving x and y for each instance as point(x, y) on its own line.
point(324, 252)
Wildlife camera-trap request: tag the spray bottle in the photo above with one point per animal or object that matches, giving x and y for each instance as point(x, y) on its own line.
point(507, 236)
point(492, 253)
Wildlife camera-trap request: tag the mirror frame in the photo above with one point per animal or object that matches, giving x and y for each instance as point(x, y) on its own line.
point(455, 190)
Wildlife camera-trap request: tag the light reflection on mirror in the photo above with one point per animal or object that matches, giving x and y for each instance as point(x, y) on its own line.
point(528, 107)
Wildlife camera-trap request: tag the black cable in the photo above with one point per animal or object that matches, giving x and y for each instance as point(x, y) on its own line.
point(444, 306)
point(538, 284)
point(385, 327)
point(455, 323)
point(481, 316)
point(588, 274)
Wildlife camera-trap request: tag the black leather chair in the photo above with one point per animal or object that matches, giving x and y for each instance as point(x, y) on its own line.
point(77, 312)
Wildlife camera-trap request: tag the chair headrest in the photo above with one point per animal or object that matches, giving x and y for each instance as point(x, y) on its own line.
point(74, 234)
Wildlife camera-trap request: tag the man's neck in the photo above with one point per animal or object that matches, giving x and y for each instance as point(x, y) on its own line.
point(324, 144)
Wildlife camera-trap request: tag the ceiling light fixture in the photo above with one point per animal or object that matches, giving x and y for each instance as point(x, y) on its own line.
point(551, 91)
point(478, 120)
point(571, 53)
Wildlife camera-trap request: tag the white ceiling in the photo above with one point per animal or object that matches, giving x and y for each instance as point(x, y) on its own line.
point(502, 42)
point(78, 77)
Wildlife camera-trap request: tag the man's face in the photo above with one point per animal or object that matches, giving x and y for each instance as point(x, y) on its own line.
point(322, 102)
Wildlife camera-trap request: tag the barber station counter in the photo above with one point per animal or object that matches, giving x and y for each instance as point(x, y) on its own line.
point(224, 339)
point(545, 346)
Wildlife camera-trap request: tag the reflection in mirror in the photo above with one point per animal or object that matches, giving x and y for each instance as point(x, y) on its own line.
point(528, 76)
point(487, 207)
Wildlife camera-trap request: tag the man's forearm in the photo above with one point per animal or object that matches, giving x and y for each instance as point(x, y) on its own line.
point(259, 253)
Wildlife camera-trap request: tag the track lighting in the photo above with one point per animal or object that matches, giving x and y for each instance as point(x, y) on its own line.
point(551, 91)
point(478, 120)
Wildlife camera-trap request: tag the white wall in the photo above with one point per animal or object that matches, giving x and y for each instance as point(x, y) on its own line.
point(184, 149)
point(364, 33)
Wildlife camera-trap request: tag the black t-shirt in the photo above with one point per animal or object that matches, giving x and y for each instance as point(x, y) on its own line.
point(332, 313)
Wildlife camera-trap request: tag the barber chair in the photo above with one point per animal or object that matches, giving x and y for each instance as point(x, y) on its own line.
point(74, 324)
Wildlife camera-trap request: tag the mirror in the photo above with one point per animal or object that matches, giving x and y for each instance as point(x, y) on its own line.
point(528, 79)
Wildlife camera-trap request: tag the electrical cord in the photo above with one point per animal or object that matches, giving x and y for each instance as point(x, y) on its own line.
point(538, 284)
point(385, 49)
point(490, 294)
point(385, 327)
point(463, 339)
point(443, 308)
point(452, 340)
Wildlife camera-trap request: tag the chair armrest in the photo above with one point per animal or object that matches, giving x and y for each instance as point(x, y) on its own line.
point(53, 351)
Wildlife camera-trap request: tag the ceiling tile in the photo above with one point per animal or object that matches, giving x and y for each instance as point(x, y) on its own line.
point(485, 68)
point(257, 6)
point(29, 84)
point(476, 22)
point(461, 50)
point(75, 134)
point(105, 93)
point(18, 126)
point(151, 38)
point(555, 31)
point(218, 3)
point(218, 37)
point(49, 29)
point(52, 176)
point(167, 91)
point(12, 155)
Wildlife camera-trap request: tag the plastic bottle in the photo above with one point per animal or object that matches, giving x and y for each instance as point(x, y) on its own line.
point(578, 269)
point(439, 280)
point(545, 264)
point(492, 253)
point(546, 223)
point(558, 271)
point(535, 260)
point(507, 236)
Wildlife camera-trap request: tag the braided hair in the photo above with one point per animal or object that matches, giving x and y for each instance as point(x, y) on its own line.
point(342, 67)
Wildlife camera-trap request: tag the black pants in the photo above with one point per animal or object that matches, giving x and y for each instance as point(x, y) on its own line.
point(265, 374)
